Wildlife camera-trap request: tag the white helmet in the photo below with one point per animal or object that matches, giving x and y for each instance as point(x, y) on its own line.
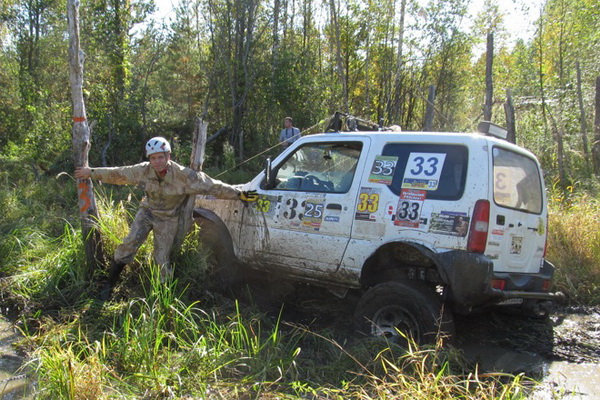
point(157, 145)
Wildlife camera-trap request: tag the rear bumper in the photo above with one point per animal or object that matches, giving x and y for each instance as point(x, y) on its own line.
point(526, 286)
point(469, 278)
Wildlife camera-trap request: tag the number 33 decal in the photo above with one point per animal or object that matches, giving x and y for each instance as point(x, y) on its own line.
point(408, 210)
point(368, 202)
point(429, 170)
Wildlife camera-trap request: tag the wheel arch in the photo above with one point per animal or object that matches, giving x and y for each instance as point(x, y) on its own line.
point(401, 260)
point(214, 233)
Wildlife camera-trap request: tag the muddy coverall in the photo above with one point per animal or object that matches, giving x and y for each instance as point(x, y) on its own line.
point(160, 208)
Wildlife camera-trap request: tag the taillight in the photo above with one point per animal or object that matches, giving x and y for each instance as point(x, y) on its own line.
point(498, 284)
point(546, 286)
point(479, 227)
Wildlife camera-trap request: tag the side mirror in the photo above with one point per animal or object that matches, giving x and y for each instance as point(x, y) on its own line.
point(268, 174)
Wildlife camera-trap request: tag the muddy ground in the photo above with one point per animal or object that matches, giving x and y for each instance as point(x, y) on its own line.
point(498, 340)
point(562, 351)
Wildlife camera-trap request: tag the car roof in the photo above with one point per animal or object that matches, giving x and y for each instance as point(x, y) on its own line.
point(431, 137)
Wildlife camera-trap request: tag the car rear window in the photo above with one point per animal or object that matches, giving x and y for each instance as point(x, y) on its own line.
point(439, 169)
point(517, 181)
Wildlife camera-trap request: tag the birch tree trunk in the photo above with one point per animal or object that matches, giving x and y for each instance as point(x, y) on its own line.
point(88, 211)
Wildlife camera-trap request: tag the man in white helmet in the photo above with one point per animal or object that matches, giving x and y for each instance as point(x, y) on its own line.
point(166, 185)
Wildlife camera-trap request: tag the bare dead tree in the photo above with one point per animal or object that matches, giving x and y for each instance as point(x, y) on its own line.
point(489, 84)
point(338, 54)
point(197, 159)
point(88, 211)
point(582, 117)
point(509, 111)
point(430, 111)
point(596, 145)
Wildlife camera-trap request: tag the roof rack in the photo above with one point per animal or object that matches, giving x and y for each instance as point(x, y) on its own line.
point(349, 123)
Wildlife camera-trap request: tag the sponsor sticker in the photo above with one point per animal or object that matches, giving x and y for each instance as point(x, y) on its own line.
point(383, 169)
point(409, 208)
point(423, 171)
point(368, 204)
point(449, 223)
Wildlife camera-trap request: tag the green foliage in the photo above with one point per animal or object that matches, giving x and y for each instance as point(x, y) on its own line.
point(574, 246)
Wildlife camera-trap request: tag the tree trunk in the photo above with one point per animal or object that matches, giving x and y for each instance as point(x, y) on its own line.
point(338, 55)
point(582, 117)
point(560, 152)
point(88, 211)
point(509, 111)
point(489, 88)
point(429, 112)
point(395, 111)
point(596, 146)
point(197, 159)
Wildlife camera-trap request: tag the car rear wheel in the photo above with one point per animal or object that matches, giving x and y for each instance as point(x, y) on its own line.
point(403, 311)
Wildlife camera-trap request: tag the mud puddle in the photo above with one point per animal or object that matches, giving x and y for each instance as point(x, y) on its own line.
point(561, 352)
point(14, 380)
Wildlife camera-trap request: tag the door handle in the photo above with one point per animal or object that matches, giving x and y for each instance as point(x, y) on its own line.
point(334, 206)
point(533, 229)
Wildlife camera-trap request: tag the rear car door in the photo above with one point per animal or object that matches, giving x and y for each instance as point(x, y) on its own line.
point(304, 221)
point(518, 217)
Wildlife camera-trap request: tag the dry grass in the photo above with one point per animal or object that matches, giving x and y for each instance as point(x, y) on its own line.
point(574, 248)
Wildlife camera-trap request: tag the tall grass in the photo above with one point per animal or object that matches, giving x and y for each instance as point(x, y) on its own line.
point(574, 247)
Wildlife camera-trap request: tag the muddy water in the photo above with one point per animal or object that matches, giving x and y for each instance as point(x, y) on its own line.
point(562, 353)
point(14, 382)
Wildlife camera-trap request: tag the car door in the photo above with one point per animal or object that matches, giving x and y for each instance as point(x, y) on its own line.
point(303, 222)
point(518, 220)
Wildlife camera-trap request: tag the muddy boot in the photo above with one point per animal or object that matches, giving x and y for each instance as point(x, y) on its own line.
point(113, 276)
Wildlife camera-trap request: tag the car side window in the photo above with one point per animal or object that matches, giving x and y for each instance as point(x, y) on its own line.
point(440, 169)
point(319, 167)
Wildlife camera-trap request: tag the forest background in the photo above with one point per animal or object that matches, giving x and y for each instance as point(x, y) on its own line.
point(243, 65)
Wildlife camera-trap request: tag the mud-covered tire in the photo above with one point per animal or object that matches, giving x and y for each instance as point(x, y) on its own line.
point(223, 273)
point(410, 307)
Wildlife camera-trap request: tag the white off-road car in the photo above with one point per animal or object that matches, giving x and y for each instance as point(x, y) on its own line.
point(423, 224)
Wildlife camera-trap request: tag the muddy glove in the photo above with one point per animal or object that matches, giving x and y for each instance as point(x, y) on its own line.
point(248, 196)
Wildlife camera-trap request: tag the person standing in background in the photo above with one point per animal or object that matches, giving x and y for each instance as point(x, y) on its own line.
point(289, 134)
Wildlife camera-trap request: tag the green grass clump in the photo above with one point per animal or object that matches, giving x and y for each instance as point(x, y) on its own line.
point(574, 247)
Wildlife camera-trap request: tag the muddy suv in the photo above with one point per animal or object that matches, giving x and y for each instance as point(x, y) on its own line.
point(420, 224)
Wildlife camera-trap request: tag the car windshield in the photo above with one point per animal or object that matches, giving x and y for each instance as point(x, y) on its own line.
point(319, 167)
point(517, 181)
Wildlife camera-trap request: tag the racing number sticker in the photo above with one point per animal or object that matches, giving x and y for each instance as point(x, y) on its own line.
point(313, 213)
point(409, 207)
point(266, 205)
point(383, 169)
point(303, 214)
point(368, 204)
point(423, 171)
